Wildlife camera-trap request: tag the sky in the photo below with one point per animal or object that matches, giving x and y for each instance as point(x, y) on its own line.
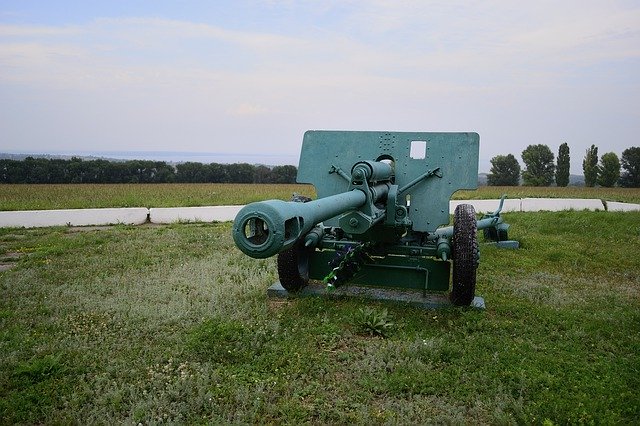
point(246, 79)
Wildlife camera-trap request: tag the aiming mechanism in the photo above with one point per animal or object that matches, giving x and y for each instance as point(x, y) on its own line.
point(382, 200)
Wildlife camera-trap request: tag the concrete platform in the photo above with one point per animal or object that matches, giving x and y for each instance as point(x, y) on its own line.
point(73, 217)
point(413, 298)
point(508, 244)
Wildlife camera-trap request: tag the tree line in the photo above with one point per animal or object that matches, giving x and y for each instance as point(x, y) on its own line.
point(542, 169)
point(77, 170)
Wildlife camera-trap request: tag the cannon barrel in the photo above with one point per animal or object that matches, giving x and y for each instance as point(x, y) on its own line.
point(265, 228)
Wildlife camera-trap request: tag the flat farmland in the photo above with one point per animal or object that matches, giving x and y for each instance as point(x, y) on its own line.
point(76, 196)
point(79, 196)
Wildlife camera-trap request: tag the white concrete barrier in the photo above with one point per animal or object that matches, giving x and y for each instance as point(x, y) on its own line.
point(193, 214)
point(139, 215)
point(614, 206)
point(73, 217)
point(559, 204)
point(487, 206)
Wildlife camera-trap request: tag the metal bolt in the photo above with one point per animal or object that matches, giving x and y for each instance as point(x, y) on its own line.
point(358, 174)
point(353, 222)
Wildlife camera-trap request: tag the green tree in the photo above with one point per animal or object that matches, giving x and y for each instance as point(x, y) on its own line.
point(241, 173)
point(609, 170)
point(505, 171)
point(165, 173)
point(191, 172)
point(12, 171)
point(590, 166)
point(631, 164)
point(562, 167)
point(217, 173)
point(540, 168)
point(262, 174)
point(284, 174)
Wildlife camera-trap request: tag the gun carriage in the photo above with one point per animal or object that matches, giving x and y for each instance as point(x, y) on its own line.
point(381, 217)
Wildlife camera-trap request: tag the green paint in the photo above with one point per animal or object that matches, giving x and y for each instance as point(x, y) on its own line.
point(386, 191)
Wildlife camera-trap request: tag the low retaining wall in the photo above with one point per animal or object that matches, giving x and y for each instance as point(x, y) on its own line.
point(559, 204)
point(488, 206)
point(193, 214)
point(613, 206)
point(140, 215)
point(73, 217)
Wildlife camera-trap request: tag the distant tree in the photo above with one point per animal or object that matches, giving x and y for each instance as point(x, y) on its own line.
point(284, 174)
point(505, 171)
point(218, 173)
point(241, 173)
point(631, 164)
point(590, 166)
point(609, 170)
point(562, 167)
point(191, 172)
point(540, 168)
point(77, 170)
point(115, 172)
point(164, 173)
point(262, 174)
point(12, 171)
point(58, 171)
point(37, 170)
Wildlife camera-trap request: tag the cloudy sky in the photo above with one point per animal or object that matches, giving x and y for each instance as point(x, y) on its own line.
point(249, 77)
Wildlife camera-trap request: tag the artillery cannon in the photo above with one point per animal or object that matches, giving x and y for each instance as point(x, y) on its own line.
point(383, 198)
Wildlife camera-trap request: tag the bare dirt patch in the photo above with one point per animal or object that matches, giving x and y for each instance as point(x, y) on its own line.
point(73, 229)
point(9, 260)
point(278, 304)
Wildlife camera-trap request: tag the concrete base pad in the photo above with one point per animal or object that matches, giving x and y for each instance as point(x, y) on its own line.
point(509, 244)
point(414, 298)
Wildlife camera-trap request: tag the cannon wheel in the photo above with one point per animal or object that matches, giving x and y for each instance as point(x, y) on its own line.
point(465, 255)
point(293, 263)
point(293, 269)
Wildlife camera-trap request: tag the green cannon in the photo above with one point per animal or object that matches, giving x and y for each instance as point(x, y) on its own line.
point(381, 217)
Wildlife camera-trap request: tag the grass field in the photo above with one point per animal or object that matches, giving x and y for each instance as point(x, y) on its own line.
point(42, 197)
point(171, 324)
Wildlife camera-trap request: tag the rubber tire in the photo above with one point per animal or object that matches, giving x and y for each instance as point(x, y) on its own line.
point(465, 255)
point(290, 264)
point(293, 269)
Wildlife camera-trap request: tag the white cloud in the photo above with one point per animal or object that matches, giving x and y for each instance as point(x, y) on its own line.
point(248, 109)
point(494, 66)
point(37, 31)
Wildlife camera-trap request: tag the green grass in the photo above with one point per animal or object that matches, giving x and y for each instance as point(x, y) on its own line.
point(72, 196)
point(171, 323)
point(42, 197)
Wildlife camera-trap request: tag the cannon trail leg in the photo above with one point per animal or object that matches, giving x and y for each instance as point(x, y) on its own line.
point(465, 255)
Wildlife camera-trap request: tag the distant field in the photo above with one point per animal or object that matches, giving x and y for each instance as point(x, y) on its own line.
point(43, 197)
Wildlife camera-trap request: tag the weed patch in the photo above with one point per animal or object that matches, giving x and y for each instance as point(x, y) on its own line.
point(374, 322)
